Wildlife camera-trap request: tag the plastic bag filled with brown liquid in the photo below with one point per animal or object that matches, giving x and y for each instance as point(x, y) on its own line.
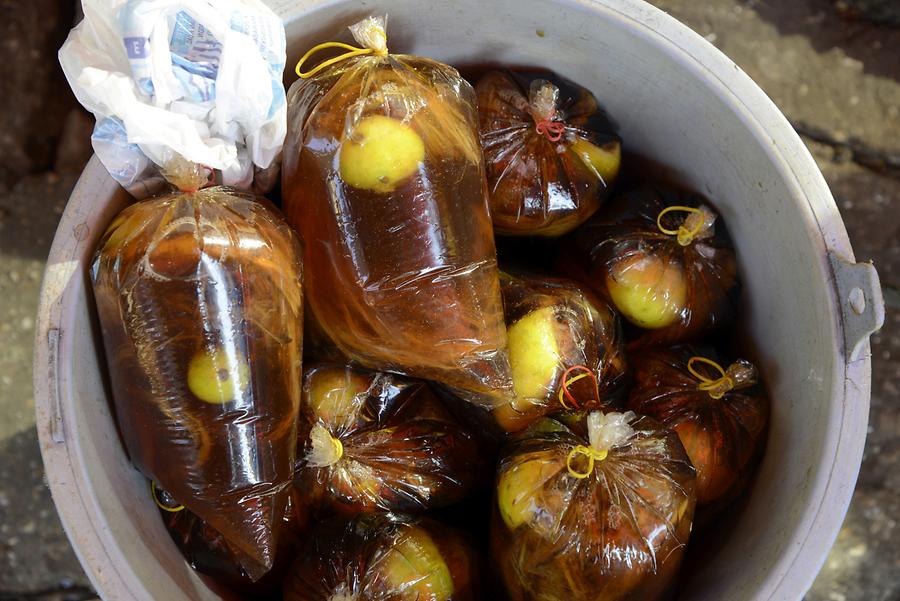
point(377, 442)
point(718, 411)
point(599, 512)
point(548, 166)
point(559, 331)
point(200, 304)
point(665, 261)
point(207, 551)
point(384, 557)
point(384, 178)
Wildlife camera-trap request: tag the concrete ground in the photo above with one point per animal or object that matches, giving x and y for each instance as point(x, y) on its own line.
point(838, 80)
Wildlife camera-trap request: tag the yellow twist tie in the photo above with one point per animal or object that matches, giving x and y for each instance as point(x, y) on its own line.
point(338, 447)
point(716, 388)
point(159, 504)
point(685, 236)
point(592, 455)
point(562, 388)
point(352, 51)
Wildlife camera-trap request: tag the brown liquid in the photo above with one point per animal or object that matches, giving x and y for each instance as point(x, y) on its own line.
point(627, 231)
point(539, 185)
point(406, 279)
point(587, 333)
point(207, 551)
point(352, 560)
point(402, 451)
point(617, 535)
point(211, 274)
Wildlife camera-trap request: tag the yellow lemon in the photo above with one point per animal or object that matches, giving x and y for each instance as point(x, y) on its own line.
point(380, 153)
point(649, 292)
point(217, 377)
point(415, 568)
point(533, 355)
point(518, 490)
point(603, 160)
point(331, 393)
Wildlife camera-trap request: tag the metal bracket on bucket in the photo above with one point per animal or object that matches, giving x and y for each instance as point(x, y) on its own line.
point(862, 304)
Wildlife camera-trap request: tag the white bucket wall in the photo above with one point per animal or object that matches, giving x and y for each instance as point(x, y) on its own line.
point(676, 100)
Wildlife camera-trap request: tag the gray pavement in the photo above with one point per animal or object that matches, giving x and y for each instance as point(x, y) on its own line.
point(837, 80)
point(43, 143)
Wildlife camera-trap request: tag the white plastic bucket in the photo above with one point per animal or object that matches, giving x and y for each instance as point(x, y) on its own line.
point(678, 101)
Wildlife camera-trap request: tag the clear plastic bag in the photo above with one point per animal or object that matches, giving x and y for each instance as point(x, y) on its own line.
point(209, 553)
point(719, 414)
point(548, 166)
point(377, 442)
point(665, 262)
point(599, 511)
point(384, 557)
point(384, 178)
point(201, 309)
point(559, 333)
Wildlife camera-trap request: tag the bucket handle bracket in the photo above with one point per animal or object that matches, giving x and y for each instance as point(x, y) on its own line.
point(861, 301)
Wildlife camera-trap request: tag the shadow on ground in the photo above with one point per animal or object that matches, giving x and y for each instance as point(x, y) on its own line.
point(34, 95)
point(876, 46)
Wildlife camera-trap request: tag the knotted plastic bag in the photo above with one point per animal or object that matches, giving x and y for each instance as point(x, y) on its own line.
point(565, 346)
point(198, 79)
point(600, 511)
point(384, 557)
point(718, 412)
point(201, 309)
point(549, 167)
point(384, 178)
point(377, 442)
point(664, 261)
point(210, 554)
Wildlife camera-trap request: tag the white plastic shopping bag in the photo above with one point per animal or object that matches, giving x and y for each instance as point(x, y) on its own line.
point(199, 79)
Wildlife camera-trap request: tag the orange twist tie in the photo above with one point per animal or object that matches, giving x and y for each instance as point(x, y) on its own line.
point(564, 388)
point(715, 387)
point(554, 130)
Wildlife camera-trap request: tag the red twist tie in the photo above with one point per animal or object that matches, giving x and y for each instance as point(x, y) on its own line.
point(554, 130)
point(211, 179)
point(566, 381)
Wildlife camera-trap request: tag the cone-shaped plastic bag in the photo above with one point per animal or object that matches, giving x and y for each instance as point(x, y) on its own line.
point(384, 178)
point(376, 442)
point(559, 333)
point(718, 412)
point(601, 515)
point(384, 557)
point(664, 261)
point(207, 551)
point(549, 167)
point(200, 304)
